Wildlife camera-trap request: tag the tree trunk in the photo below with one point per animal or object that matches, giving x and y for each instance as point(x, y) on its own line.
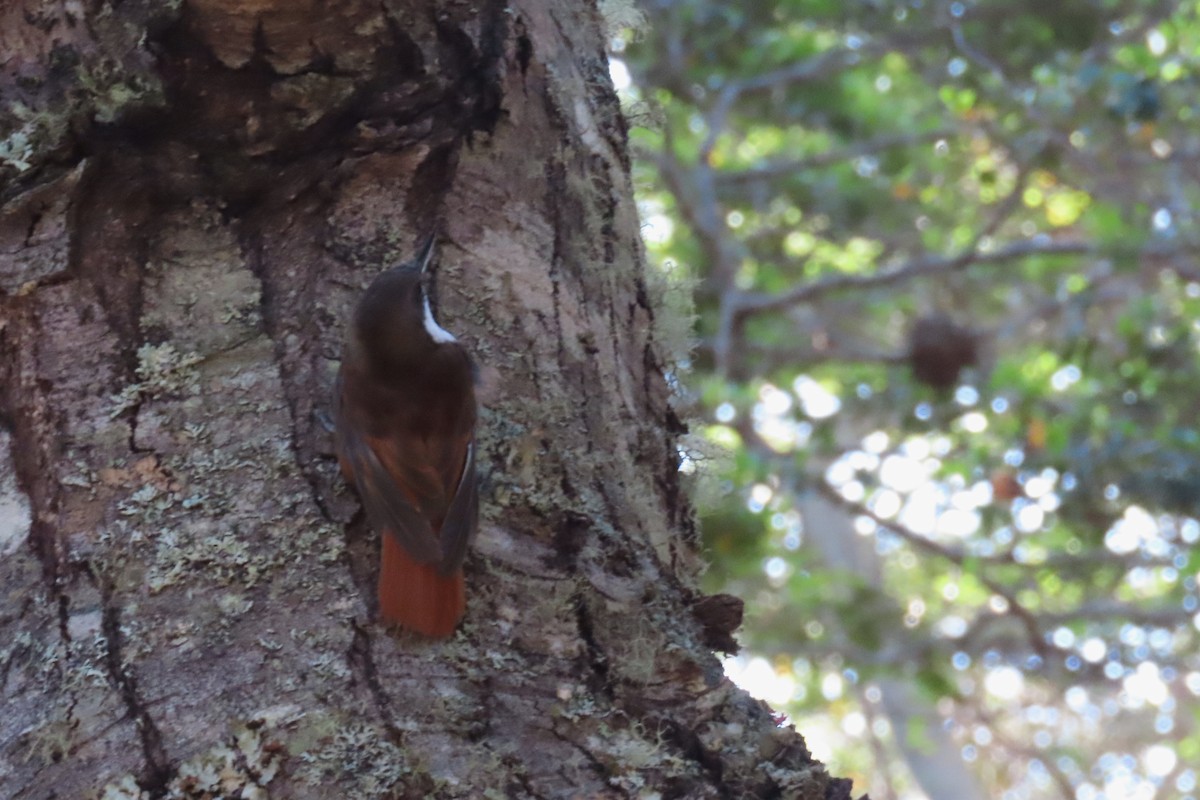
point(193, 197)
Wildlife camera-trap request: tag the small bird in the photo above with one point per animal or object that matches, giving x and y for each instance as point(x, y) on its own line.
point(404, 417)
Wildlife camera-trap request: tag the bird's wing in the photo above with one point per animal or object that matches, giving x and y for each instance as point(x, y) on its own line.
point(389, 499)
point(405, 484)
point(462, 517)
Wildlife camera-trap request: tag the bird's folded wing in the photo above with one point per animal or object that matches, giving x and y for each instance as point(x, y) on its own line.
point(462, 518)
point(389, 504)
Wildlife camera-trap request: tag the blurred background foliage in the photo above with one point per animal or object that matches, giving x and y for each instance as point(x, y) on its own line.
point(945, 376)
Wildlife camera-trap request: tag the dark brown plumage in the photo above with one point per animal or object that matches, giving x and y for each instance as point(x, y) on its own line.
point(404, 412)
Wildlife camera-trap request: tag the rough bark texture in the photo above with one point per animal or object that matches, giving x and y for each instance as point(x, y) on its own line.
point(191, 198)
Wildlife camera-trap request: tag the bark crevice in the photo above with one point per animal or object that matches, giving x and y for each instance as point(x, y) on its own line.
point(157, 770)
point(361, 660)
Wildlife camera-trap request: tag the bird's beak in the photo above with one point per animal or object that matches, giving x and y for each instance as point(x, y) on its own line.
point(425, 255)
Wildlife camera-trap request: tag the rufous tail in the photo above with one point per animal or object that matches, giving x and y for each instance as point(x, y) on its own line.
point(416, 596)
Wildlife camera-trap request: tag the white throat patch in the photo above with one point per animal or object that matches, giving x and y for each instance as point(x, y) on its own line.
point(436, 332)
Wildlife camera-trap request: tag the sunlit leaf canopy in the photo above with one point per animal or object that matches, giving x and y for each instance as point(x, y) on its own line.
point(946, 374)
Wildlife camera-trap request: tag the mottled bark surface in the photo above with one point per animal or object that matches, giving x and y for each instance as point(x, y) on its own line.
point(191, 198)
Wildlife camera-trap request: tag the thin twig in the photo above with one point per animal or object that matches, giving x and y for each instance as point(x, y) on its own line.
point(813, 69)
point(789, 166)
point(1012, 745)
point(956, 556)
point(923, 266)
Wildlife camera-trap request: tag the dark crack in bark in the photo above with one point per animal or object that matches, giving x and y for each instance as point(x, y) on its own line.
point(600, 682)
point(688, 744)
point(157, 765)
point(361, 660)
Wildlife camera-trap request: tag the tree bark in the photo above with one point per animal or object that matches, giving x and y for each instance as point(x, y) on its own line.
point(192, 197)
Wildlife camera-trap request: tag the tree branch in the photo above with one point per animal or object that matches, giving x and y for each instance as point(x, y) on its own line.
point(812, 69)
point(780, 168)
point(924, 266)
point(956, 556)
